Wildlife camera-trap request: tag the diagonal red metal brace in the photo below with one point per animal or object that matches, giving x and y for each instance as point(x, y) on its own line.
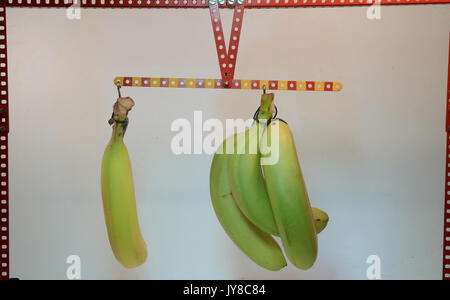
point(227, 58)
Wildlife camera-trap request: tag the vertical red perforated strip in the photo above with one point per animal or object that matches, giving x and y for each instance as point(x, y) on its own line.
point(227, 58)
point(446, 244)
point(4, 130)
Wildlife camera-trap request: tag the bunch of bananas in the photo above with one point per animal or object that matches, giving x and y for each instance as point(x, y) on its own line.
point(119, 201)
point(256, 196)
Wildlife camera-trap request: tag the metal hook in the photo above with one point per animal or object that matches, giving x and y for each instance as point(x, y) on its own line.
point(118, 89)
point(255, 116)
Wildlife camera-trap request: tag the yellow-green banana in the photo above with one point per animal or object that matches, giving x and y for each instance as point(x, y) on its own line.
point(118, 196)
point(247, 181)
point(256, 244)
point(288, 195)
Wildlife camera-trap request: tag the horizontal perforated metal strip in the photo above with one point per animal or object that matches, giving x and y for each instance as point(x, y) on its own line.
point(328, 86)
point(205, 3)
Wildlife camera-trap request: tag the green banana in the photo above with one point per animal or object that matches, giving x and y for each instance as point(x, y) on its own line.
point(288, 195)
point(118, 195)
point(247, 181)
point(256, 244)
point(245, 173)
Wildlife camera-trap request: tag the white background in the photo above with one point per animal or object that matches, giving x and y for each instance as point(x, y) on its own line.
point(373, 155)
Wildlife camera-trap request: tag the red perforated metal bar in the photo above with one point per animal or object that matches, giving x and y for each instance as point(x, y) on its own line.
point(4, 129)
point(219, 39)
point(227, 58)
point(205, 4)
point(446, 243)
point(235, 37)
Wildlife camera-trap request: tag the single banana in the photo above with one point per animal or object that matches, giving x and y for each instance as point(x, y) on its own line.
point(245, 173)
point(247, 181)
point(256, 244)
point(118, 195)
point(288, 195)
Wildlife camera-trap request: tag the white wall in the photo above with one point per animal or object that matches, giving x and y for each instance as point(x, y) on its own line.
point(373, 155)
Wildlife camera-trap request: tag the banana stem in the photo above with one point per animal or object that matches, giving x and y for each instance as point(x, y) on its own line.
point(267, 107)
point(122, 107)
point(118, 131)
point(120, 113)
